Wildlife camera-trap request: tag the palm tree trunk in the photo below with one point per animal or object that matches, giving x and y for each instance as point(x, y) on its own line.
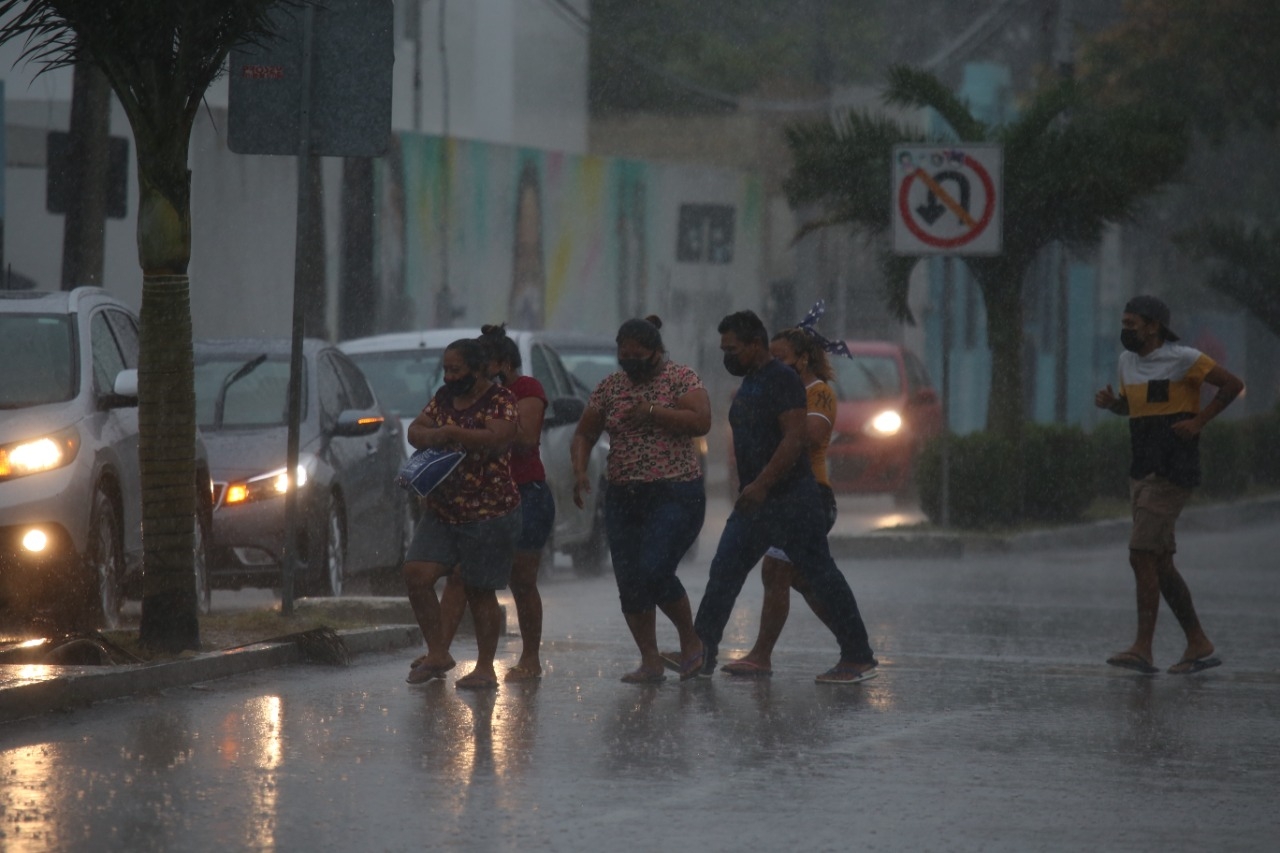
point(166, 405)
point(1002, 295)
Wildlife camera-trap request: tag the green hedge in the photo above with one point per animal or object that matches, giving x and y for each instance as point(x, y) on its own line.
point(1064, 470)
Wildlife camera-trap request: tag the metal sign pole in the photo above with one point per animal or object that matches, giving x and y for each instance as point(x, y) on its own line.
point(948, 281)
point(297, 330)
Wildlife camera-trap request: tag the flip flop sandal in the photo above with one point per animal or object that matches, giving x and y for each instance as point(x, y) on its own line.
point(521, 673)
point(746, 669)
point(639, 676)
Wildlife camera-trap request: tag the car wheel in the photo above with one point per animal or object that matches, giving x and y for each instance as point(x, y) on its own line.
point(333, 556)
point(101, 594)
point(589, 557)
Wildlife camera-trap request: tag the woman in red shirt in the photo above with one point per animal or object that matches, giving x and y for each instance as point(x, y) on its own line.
point(536, 503)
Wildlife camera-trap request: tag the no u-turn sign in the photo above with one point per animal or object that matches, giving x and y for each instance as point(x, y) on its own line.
point(947, 199)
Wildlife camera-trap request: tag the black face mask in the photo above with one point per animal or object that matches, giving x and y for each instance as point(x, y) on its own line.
point(462, 385)
point(638, 369)
point(1131, 340)
point(734, 365)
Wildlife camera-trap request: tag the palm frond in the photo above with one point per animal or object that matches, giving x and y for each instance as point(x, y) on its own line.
point(916, 88)
point(157, 55)
point(1244, 264)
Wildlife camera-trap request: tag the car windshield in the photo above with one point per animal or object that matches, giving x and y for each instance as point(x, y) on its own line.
point(38, 354)
point(260, 398)
point(866, 377)
point(404, 380)
point(590, 366)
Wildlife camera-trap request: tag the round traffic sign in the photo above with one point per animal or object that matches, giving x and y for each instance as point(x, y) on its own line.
point(938, 218)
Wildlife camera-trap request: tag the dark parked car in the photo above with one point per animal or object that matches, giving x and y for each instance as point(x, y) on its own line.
point(70, 495)
point(351, 513)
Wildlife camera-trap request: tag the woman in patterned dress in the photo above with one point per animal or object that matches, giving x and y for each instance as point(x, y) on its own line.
point(471, 520)
point(655, 501)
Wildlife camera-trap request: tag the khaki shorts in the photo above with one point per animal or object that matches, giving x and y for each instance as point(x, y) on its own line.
point(1156, 504)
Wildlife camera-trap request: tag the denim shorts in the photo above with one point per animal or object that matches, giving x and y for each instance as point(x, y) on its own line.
point(482, 550)
point(538, 509)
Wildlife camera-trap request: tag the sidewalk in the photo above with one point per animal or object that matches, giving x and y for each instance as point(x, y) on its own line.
point(29, 690)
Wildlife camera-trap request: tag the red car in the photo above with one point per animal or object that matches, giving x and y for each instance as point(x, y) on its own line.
point(885, 413)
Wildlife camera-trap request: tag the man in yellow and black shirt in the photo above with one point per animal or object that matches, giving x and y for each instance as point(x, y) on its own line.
point(1160, 392)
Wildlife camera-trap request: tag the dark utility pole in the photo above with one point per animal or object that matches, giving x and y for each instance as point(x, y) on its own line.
point(83, 236)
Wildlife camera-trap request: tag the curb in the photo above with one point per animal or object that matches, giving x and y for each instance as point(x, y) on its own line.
point(80, 686)
point(1115, 531)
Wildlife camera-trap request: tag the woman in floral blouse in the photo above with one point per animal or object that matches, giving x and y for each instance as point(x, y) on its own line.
point(472, 519)
point(655, 502)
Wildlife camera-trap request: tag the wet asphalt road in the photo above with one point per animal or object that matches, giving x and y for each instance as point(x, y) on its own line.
point(994, 725)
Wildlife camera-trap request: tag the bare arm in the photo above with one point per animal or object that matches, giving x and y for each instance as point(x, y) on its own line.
point(529, 432)
point(784, 457)
point(494, 437)
point(817, 429)
point(590, 426)
point(1229, 387)
point(691, 414)
point(1107, 399)
point(422, 431)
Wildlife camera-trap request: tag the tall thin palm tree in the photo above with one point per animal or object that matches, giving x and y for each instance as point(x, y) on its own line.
point(1069, 170)
point(160, 57)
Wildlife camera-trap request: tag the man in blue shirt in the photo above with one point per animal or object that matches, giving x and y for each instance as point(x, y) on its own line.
point(779, 503)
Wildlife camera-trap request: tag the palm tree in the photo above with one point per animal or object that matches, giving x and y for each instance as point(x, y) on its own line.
point(160, 57)
point(1069, 171)
point(1244, 264)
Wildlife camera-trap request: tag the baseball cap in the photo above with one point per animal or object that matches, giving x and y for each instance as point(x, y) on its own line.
point(1152, 309)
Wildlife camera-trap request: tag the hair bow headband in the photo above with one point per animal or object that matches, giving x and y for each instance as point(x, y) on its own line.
point(810, 320)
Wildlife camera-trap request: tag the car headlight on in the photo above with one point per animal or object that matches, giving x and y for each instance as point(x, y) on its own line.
point(272, 484)
point(887, 423)
point(44, 453)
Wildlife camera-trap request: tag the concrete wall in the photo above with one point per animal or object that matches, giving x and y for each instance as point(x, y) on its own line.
point(517, 76)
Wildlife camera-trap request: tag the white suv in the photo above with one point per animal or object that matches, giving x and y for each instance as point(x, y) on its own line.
point(70, 494)
point(404, 370)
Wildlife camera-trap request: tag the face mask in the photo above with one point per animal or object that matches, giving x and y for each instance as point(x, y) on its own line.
point(1131, 340)
point(500, 377)
point(462, 385)
point(734, 365)
point(638, 369)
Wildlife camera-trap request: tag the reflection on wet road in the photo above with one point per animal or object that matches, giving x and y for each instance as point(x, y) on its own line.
point(993, 725)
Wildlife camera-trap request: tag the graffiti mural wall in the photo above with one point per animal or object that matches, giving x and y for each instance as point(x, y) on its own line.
point(474, 233)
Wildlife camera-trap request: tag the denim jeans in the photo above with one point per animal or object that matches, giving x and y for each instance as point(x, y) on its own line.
point(793, 518)
point(650, 527)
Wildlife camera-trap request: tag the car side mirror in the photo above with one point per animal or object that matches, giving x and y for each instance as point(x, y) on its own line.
point(564, 410)
point(124, 391)
point(357, 422)
point(926, 397)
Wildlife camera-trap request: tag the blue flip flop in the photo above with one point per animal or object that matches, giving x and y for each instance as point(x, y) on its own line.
point(1189, 667)
point(1128, 660)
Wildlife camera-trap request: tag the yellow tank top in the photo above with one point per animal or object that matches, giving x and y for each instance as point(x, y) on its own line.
point(822, 404)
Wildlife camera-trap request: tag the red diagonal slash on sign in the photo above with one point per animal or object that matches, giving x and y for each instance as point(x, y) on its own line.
point(945, 198)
